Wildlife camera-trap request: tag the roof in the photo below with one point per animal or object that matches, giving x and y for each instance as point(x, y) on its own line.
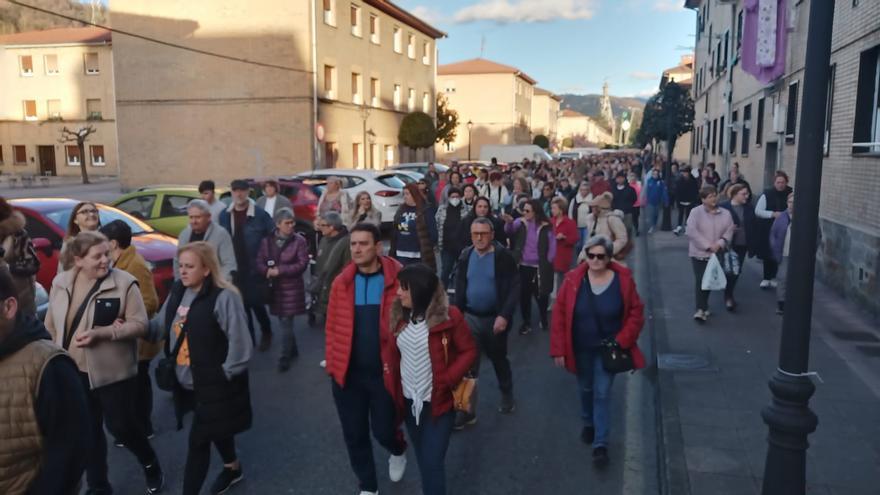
point(481, 66)
point(571, 113)
point(544, 92)
point(406, 17)
point(80, 35)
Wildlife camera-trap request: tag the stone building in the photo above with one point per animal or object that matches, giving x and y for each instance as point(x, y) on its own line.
point(582, 130)
point(545, 114)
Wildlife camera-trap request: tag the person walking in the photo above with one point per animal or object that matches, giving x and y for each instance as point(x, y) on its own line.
point(207, 192)
point(283, 259)
point(605, 221)
point(334, 198)
point(637, 206)
point(487, 291)
point(43, 444)
point(431, 351)
point(204, 319)
point(624, 198)
point(598, 302)
point(364, 211)
point(357, 352)
point(333, 254)
point(123, 256)
point(202, 227)
point(450, 236)
point(579, 211)
point(271, 201)
point(743, 241)
point(656, 198)
point(497, 193)
point(248, 224)
point(566, 233)
point(414, 234)
point(96, 313)
point(534, 248)
point(780, 242)
point(769, 207)
point(483, 209)
point(18, 256)
point(687, 194)
point(710, 231)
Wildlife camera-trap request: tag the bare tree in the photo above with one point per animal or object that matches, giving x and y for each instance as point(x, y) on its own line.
point(79, 136)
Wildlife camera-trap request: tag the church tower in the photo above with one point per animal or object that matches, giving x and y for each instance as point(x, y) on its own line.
point(605, 110)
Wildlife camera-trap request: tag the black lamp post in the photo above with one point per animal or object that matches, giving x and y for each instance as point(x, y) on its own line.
point(789, 417)
point(470, 126)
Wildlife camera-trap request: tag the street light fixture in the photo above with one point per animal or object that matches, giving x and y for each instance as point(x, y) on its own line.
point(470, 126)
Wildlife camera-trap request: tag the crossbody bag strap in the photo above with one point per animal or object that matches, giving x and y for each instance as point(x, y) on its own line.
point(177, 345)
point(80, 312)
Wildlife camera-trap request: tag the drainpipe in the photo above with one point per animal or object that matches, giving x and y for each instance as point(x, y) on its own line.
point(315, 151)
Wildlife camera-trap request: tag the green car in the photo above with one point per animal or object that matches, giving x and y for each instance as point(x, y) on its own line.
point(162, 207)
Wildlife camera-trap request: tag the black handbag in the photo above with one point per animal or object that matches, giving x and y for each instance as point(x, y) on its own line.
point(615, 359)
point(166, 368)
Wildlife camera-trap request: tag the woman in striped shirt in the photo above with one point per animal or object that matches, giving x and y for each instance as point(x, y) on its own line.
point(432, 350)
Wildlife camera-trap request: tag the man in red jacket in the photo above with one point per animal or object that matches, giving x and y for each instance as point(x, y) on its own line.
point(357, 333)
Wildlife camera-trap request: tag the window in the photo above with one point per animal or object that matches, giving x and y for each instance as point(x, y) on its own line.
point(140, 207)
point(739, 31)
point(374, 29)
point(19, 154)
point(747, 129)
point(355, 20)
point(411, 46)
point(726, 49)
point(1, 155)
point(329, 13)
point(759, 132)
point(866, 131)
point(374, 91)
point(93, 109)
point(30, 109)
point(53, 109)
point(398, 40)
point(97, 152)
point(397, 96)
point(829, 105)
point(174, 206)
point(329, 81)
point(51, 62)
point(792, 114)
point(714, 135)
point(331, 153)
point(722, 133)
point(356, 155)
point(26, 64)
point(411, 100)
point(426, 53)
point(450, 87)
point(389, 155)
point(72, 153)
point(733, 132)
point(426, 102)
point(92, 64)
point(356, 95)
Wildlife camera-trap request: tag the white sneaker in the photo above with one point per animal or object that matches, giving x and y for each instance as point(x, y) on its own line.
point(396, 467)
point(364, 492)
point(765, 284)
point(701, 315)
point(323, 364)
point(774, 283)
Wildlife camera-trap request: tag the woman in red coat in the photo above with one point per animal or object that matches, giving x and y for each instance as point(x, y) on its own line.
point(567, 237)
point(431, 351)
point(597, 302)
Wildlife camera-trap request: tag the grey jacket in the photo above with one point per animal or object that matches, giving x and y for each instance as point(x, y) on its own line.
point(217, 237)
point(280, 202)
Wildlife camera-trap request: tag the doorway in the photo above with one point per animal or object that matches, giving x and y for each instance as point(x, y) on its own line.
point(47, 160)
point(770, 163)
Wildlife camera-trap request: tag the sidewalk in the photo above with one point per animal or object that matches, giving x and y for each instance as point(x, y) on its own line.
point(713, 384)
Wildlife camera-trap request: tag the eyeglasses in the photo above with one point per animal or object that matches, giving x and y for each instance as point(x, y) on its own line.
point(596, 256)
point(480, 234)
point(89, 211)
point(527, 210)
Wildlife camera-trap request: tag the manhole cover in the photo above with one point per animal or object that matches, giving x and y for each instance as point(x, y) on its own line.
point(683, 362)
point(869, 350)
point(855, 336)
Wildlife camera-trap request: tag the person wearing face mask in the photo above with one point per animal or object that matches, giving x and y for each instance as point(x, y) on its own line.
point(450, 238)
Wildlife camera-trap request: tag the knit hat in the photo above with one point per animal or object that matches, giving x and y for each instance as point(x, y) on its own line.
point(603, 201)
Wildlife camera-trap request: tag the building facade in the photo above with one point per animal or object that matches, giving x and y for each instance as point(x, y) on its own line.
point(739, 120)
point(545, 114)
point(495, 99)
point(267, 88)
point(50, 80)
point(581, 130)
point(683, 75)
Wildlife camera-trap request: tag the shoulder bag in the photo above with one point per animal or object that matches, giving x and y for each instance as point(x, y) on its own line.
point(166, 368)
point(464, 391)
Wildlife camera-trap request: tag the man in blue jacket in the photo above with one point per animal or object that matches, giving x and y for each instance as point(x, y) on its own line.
point(248, 224)
point(656, 197)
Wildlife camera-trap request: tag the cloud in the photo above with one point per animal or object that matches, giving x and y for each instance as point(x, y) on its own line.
point(525, 11)
point(668, 5)
point(643, 75)
point(428, 14)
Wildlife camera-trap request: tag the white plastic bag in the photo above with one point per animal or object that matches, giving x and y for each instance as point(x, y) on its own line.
point(714, 278)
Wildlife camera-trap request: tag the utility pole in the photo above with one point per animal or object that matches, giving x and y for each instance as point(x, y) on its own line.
point(789, 417)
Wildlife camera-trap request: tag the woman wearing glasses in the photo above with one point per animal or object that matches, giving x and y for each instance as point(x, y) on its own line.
point(598, 300)
point(84, 218)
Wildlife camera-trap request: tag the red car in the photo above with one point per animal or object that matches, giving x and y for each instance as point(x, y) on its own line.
point(47, 223)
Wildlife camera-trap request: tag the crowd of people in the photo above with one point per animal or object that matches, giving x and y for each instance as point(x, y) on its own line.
point(406, 325)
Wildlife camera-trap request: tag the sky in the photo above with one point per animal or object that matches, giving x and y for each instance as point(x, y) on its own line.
point(568, 46)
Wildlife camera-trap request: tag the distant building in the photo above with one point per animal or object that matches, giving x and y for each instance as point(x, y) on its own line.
point(581, 129)
point(545, 113)
point(606, 112)
point(495, 98)
point(267, 88)
point(683, 75)
point(48, 80)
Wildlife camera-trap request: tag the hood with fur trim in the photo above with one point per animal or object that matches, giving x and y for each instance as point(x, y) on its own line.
point(437, 312)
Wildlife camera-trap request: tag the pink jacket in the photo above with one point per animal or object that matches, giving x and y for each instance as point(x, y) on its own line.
point(705, 228)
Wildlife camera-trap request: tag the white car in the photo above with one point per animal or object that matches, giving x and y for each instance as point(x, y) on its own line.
point(420, 167)
point(385, 187)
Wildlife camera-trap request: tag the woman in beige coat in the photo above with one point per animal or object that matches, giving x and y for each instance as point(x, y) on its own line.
point(609, 223)
point(97, 313)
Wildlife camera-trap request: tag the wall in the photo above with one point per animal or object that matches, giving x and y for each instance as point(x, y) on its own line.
point(545, 111)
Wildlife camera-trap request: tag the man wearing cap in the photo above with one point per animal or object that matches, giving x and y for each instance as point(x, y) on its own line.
point(206, 191)
point(271, 201)
point(248, 224)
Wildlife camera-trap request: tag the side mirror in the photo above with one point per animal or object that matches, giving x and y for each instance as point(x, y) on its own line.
point(43, 244)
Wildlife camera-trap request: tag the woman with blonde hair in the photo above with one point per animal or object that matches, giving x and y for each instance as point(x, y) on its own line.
point(206, 313)
point(364, 211)
point(334, 198)
point(97, 313)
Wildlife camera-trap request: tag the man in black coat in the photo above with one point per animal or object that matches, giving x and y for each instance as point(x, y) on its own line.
point(687, 196)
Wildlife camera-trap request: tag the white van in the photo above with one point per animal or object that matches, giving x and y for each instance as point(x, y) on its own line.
point(513, 153)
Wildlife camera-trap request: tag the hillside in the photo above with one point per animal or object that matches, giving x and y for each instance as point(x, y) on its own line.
point(589, 104)
point(15, 19)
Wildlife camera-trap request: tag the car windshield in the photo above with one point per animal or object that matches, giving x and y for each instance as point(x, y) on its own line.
point(391, 181)
point(60, 218)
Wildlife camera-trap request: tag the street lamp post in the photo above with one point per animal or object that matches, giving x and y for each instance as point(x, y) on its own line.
point(470, 126)
point(365, 114)
point(789, 417)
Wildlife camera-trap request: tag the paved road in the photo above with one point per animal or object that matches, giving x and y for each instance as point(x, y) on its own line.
point(296, 444)
point(101, 190)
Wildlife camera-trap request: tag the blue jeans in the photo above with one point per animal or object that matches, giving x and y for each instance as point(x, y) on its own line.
point(653, 215)
point(448, 261)
point(430, 440)
point(595, 392)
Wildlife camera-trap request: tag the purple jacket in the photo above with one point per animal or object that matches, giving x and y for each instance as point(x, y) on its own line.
point(292, 259)
point(777, 235)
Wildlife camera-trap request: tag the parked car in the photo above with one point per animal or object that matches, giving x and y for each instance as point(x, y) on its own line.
point(385, 187)
point(408, 176)
point(420, 167)
point(162, 207)
point(47, 223)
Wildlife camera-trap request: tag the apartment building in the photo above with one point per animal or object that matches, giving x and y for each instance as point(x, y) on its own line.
point(545, 112)
point(494, 105)
point(49, 80)
point(267, 88)
point(581, 130)
point(740, 120)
